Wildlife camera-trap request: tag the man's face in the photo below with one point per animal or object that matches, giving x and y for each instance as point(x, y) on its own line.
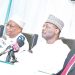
point(12, 29)
point(49, 30)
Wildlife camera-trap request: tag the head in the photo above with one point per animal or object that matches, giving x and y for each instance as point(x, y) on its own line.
point(52, 28)
point(14, 27)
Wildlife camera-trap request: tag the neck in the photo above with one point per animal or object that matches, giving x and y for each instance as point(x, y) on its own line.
point(51, 40)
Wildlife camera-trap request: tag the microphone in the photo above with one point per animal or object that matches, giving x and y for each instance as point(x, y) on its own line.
point(9, 48)
point(20, 40)
point(15, 47)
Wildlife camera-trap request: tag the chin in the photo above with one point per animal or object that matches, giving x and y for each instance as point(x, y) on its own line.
point(11, 36)
point(43, 36)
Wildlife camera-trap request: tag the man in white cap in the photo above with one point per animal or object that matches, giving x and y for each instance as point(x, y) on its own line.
point(50, 55)
point(14, 34)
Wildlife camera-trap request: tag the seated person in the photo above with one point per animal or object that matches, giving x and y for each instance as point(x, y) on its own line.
point(14, 37)
point(50, 54)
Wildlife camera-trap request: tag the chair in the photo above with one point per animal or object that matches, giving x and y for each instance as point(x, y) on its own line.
point(32, 40)
point(69, 42)
point(1, 30)
point(69, 64)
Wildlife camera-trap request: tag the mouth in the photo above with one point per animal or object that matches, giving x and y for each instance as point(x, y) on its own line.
point(9, 32)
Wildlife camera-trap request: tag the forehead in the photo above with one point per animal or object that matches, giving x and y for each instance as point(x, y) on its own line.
point(49, 24)
point(13, 23)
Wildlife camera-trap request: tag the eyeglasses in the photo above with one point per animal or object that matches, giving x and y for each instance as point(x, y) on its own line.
point(11, 25)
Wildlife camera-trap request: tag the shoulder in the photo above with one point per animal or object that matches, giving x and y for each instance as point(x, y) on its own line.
point(59, 43)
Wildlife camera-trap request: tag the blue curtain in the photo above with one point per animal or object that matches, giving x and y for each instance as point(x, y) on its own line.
point(8, 11)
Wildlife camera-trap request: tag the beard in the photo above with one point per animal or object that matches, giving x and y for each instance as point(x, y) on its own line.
point(48, 35)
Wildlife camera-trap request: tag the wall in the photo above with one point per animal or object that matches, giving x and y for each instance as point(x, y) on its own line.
point(3, 10)
point(35, 12)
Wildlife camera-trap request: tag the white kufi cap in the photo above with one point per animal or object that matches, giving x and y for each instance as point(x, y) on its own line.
point(56, 21)
point(18, 20)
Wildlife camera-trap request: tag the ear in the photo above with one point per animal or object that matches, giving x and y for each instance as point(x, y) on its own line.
point(57, 30)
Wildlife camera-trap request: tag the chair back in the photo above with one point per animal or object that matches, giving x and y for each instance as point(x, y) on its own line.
point(69, 42)
point(1, 30)
point(32, 40)
point(69, 65)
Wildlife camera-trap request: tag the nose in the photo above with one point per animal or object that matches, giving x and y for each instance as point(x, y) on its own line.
point(44, 29)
